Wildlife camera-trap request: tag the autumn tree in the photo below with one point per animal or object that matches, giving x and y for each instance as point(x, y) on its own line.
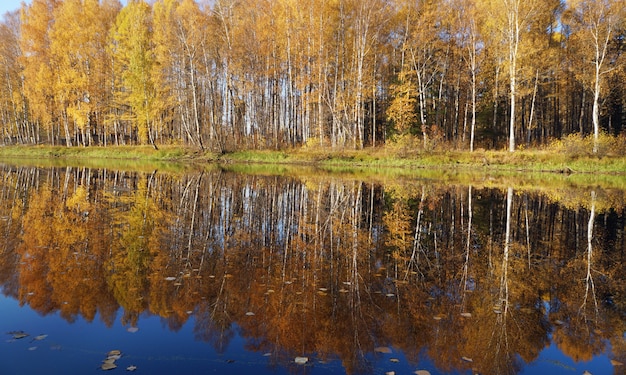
point(133, 54)
point(38, 69)
point(466, 26)
point(78, 41)
point(14, 110)
point(513, 22)
point(595, 26)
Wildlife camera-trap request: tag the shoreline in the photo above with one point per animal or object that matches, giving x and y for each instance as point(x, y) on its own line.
point(535, 161)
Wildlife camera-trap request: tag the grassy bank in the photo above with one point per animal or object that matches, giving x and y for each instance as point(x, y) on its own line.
point(521, 161)
point(371, 158)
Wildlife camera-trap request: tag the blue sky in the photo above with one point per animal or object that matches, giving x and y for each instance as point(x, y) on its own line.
point(10, 5)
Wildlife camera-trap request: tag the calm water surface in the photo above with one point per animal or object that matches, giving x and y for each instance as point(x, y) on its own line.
point(219, 272)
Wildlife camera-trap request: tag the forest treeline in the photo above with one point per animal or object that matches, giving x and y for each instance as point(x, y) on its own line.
point(225, 75)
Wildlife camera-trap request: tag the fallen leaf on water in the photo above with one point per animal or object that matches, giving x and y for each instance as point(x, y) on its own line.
point(32, 348)
point(20, 335)
point(422, 372)
point(383, 349)
point(39, 338)
point(301, 360)
point(170, 278)
point(467, 359)
point(108, 366)
point(249, 313)
point(390, 373)
point(586, 372)
point(394, 360)
point(466, 315)
point(616, 363)
point(132, 329)
point(131, 368)
point(114, 352)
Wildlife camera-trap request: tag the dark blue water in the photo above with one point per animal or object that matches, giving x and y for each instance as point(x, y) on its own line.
point(80, 347)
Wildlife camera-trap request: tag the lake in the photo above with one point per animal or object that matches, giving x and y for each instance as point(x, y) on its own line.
point(223, 271)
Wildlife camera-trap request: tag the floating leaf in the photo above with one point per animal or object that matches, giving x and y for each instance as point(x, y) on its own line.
point(383, 349)
point(586, 372)
point(422, 372)
point(32, 348)
point(249, 313)
point(390, 295)
point(132, 329)
point(394, 360)
point(39, 338)
point(467, 359)
point(616, 363)
point(108, 366)
point(114, 352)
point(301, 360)
point(20, 335)
point(559, 322)
point(466, 315)
point(390, 373)
point(131, 368)
point(170, 278)
point(111, 359)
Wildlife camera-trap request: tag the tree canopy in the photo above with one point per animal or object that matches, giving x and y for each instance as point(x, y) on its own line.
point(225, 75)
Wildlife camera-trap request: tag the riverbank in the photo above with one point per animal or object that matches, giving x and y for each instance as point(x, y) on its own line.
point(378, 158)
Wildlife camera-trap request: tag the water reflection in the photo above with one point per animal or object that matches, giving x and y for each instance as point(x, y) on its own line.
point(476, 278)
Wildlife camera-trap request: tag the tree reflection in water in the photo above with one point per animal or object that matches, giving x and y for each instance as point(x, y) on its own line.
point(476, 277)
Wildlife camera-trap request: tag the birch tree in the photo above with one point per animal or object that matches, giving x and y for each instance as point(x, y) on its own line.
point(595, 24)
point(511, 21)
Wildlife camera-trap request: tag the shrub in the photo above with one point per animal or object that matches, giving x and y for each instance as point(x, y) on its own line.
point(574, 145)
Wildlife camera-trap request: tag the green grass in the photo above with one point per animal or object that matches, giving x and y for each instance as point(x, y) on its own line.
point(523, 161)
point(376, 160)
